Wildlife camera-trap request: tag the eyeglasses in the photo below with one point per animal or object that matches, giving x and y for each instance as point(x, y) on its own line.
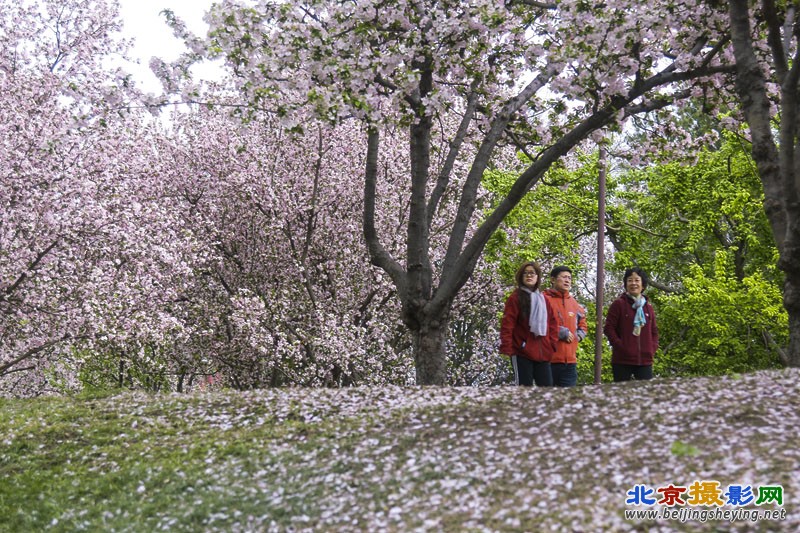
point(528, 273)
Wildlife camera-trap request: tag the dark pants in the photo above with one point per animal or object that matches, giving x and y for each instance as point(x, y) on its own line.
point(626, 372)
point(564, 374)
point(527, 372)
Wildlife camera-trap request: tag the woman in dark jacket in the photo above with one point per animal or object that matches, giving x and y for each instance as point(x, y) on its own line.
point(631, 329)
point(529, 330)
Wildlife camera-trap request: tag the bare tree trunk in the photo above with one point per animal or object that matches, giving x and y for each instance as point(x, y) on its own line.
point(791, 300)
point(775, 160)
point(794, 340)
point(430, 358)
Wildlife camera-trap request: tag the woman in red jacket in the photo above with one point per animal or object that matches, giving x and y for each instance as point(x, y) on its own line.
point(529, 331)
point(631, 329)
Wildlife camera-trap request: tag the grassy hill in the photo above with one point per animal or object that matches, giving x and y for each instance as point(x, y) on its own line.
point(401, 459)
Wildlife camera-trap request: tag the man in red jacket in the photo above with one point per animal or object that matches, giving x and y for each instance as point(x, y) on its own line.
point(631, 329)
point(571, 318)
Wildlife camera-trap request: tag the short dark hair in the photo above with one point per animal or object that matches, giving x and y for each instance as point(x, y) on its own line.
point(558, 270)
point(634, 270)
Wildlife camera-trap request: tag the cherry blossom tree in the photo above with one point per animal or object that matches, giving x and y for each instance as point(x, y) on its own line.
point(286, 299)
point(536, 76)
point(288, 296)
point(89, 254)
point(765, 41)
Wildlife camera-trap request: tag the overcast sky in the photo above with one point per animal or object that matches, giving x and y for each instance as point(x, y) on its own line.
point(153, 37)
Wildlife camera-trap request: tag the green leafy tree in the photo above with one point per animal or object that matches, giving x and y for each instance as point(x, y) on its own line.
point(700, 230)
point(554, 223)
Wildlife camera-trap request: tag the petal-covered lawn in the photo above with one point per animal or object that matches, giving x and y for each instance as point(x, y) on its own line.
point(405, 459)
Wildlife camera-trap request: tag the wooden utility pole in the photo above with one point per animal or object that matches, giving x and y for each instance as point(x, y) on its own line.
point(601, 266)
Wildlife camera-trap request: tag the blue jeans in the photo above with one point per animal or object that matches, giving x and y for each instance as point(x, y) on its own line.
point(564, 374)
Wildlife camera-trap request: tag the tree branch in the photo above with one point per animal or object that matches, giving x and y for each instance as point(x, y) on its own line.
point(466, 205)
point(22, 277)
point(770, 340)
point(532, 3)
point(774, 38)
point(30, 353)
point(378, 254)
point(452, 154)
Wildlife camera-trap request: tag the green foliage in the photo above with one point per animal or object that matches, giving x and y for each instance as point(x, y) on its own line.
point(719, 324)
point(682, 449)
point(548, 224)
point(700, 231)
point(113, 369)
point(586, 348)
point(676, 214)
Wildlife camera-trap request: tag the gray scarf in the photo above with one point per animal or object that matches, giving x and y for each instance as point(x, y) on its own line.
point(538, 318)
